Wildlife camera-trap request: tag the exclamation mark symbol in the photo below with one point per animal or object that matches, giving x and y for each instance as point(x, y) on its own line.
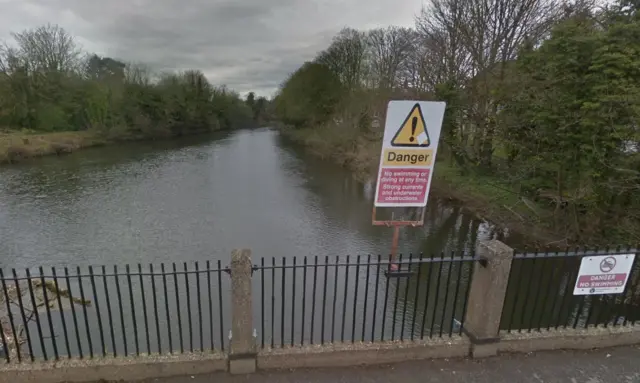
point(414, 125)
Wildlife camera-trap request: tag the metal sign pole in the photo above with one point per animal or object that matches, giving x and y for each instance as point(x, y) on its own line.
point(394, 248)
point(393, 266)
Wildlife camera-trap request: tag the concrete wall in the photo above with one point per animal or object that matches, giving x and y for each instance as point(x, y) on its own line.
point(569, 339)
point(334, 355)
point(320, 356)
point(113, 369)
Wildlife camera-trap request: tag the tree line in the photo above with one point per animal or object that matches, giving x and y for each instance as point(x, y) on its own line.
point(48, 84)
point(542, 95)
point(260, 108)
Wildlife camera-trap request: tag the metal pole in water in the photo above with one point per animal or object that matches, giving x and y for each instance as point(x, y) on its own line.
point(394, 248)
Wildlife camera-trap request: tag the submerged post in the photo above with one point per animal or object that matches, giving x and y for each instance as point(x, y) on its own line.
point(486, 297)
point(242, 354)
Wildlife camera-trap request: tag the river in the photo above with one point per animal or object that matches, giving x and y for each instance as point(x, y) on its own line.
point(197, 199)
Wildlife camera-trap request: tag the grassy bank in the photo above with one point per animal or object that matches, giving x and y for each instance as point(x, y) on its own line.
point(360, 153)
point(17, 146)
point(492, 199)
point(82, 93)
point(486, 197)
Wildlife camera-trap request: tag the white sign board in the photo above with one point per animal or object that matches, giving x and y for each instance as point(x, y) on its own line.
point(606, 274)
point(409, 146)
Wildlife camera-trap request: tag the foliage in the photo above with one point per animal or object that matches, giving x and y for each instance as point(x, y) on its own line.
point(543, 97)
point(572, 125)
point(48, 85)
point(259, 108)
point(309, 96)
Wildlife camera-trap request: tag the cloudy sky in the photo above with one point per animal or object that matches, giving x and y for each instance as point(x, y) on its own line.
point(245, 44)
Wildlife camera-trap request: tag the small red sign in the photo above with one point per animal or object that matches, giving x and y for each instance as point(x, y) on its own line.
point(601, 280)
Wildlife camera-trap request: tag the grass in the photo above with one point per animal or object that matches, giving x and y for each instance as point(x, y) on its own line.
point(18, 146)
point(492, 199)
point(344, 146)
point(479, 187)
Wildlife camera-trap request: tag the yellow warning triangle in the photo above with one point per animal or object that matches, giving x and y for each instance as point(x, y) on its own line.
point(413, 131)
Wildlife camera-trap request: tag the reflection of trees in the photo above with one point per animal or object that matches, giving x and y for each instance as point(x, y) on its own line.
point(437, 238)
point(350, 201)
point(464, 241)
point(21, 302)
point(341, 196)
point(452, 234)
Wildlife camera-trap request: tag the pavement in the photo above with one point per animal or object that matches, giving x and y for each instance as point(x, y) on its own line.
point(619, 365)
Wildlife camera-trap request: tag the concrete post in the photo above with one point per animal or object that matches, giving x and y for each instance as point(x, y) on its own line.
point(242, 354)
point(486, 297)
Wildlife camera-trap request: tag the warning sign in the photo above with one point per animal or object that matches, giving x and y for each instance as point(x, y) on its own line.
point(409, 146)
point(607, 274)
point(403, 185)
point(412, 132)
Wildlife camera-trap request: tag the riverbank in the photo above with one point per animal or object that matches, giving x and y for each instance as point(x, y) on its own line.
point(18, 146)
point(486, 197)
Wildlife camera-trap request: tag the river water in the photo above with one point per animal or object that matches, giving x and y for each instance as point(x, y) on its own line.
point(197, 199)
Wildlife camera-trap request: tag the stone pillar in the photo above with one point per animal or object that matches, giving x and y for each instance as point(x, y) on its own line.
point(242, 353)
point(486, 297)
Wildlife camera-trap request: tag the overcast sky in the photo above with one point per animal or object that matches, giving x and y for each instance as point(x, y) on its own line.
point(245, 44)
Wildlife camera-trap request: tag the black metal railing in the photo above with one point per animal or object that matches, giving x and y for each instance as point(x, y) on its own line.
point(322, 300)
point(540, 294)
point(59, 313)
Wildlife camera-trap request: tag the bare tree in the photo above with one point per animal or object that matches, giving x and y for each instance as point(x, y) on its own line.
point(410, 75)
point(10, 60)
point(389, 49)
point(346, 57)
point(48, 48)
point(139, 74)
point(476, 40)
point(440, 29)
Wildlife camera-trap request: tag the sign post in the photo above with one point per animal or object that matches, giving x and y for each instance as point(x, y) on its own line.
point(409, 147)
point(606, 274)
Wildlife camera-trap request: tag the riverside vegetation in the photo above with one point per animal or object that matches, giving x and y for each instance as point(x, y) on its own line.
point(541, 127)
point(55, 98)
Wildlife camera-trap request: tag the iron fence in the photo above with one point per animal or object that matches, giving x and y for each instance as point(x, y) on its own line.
point(102, 311)
point(61, 313)
point(348, 299)
point(540, 294)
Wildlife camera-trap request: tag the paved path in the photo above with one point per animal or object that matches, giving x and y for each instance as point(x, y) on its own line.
point(621, 365)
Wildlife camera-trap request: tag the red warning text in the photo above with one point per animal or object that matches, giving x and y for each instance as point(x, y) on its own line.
point(403, 185)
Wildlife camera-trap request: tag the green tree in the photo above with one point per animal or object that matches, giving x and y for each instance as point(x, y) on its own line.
point(309, 96)
point(45, 85)
point(571, 122)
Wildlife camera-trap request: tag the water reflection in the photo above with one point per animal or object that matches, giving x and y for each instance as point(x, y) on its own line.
point(447, 226)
